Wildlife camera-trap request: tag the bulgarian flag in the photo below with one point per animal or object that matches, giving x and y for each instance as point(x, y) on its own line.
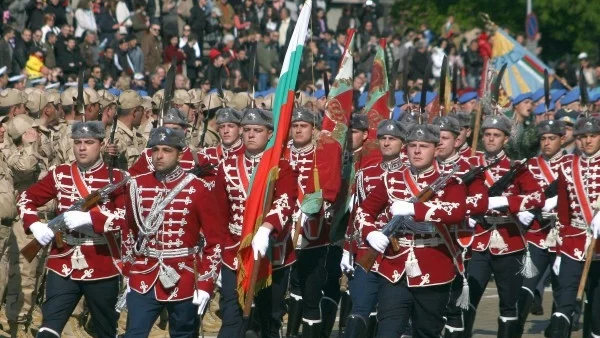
point(377, 108)
point(263, 179)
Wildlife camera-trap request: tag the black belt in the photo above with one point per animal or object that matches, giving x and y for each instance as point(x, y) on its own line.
point(6, 221)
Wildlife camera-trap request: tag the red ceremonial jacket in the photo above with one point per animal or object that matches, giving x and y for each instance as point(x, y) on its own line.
point(328, 157)
point(144, 162)
point(236, 173)
point(578, 193)
point(504, 236)
point(545, 172)
point(427, 252)
point(218, 154)
point(465, 151)
point(476, 202)
point(366, 181)
point(195, 218)
point(100, 249)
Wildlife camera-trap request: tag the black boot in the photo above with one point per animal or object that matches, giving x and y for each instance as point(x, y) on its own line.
point(524, 305)
point(559, 327)
point(345, 309)
point(507, 328)
point(311, 328)
point(356, 327)
point(469, 320)
point(294, 317)
point(372, 325)
point(328, 313)
point(587, 320)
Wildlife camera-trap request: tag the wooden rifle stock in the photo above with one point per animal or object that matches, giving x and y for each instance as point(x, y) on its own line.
point(367, 260)
point(32, 248)
point(586, 269)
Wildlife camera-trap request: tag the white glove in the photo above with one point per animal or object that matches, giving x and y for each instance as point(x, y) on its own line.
point(550, 204)
point(378, 240)
point(201, 298)
point(497, 202)
point(345, 263)
point(556, 265)
point(41, 232)
point(472, 222)
point(76, 219)
point(525, 217)
point(260, 242)
point(596, 225)
point(402, 208)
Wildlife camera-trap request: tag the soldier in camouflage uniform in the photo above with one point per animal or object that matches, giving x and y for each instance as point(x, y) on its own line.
point(64, 150)
point(208, 107)
point(523, 141)
point(129, 143)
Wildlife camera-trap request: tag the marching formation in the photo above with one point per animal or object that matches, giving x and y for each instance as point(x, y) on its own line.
point(141, 205)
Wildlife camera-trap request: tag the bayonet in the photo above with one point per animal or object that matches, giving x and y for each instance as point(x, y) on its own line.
point(442, 92)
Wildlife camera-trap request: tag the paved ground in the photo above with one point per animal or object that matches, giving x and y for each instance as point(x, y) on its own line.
point(485, 324)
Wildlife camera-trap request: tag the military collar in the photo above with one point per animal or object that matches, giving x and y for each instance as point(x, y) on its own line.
point(594, 156)
point(491, 158)
point(556, 156)
point(392, 165)
point(91, 168)
point(126, 129)
point(452, 159)
point(170, 177)
point(464, 147)
point(254, 158)
point(304, 150)
point(237, 145)
point(423, 172)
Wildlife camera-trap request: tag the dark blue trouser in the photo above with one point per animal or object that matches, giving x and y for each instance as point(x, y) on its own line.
point(542, 259)
point(144, 309)
point(269, 304)
point(566, 285)
point(308, 278)
point(331, 289)
point(593, 297)
point(506, 270)
point(363, 292)
point(63, 294)
point(398, 303)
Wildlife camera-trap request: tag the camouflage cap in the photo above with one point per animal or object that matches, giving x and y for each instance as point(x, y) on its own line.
point(3, 118)
point(302, 98)
point(158, 98)
point(196, 95)
point(265, 102)
point(464, 119)
point(550, 127)
point(586, 125)
point(90, 129)
point(391, 128)
point(228, 95)
point(53, 97)
point(303, 114)
point(147, 102)
point(167, 137)
point(18, 125)
point(106, 98)
point(11, 97)
point(211, 101)
point(130, 99)
point(90, 96)
point(67, 97)
point(447, 123)
point(500, 122)
point(424, 133)
point(181, 97)
point(176, 116)
point(240, 101)
point(36, 101)
point(228, 115)
point(359, 122)
point(256, 116)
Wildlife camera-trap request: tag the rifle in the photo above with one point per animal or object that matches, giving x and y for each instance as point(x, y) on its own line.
point(57, 224)
point(112, 162)
point(468, 177)
point(399, 223)
point(80, 103)
point(442, 93)
point(169, 90)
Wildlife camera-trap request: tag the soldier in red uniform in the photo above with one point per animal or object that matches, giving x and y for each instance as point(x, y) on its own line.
point(477, 202)
point(174, 119)
point(364, 284)
point(318, 163)
point(228, 123)
point(257, 127)
point(543, 231)
point(86, 263)
point(415, 281)
point(464, 119)
point(578, 193)
point(499, 241)
point(173, 240)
